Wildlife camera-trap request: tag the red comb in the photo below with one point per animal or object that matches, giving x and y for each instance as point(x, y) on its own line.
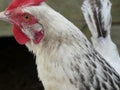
point(17, 3)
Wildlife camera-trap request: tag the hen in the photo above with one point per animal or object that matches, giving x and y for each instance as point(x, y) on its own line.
point(65, 58)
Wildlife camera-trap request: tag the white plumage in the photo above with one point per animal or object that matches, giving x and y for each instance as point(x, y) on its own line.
point(65, 58)
point(97, 14)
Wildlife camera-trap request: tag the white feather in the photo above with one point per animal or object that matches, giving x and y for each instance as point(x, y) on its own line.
point(65, 59)
point(103, 44)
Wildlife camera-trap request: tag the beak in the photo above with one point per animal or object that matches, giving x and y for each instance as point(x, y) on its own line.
point(4, 17)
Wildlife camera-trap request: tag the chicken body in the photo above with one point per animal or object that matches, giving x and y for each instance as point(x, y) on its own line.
point(65, 59)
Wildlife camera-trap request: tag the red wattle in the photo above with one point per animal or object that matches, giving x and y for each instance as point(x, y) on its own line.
point(20, 37)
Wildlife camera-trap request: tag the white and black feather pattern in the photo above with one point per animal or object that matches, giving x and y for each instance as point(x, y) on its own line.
point(65, 58)
point(87, 70)
point(97, 15)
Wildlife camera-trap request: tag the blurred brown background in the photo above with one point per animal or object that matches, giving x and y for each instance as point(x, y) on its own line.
point(17, 65)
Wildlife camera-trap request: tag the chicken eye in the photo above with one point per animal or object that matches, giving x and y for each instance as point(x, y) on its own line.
point(27, 17)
